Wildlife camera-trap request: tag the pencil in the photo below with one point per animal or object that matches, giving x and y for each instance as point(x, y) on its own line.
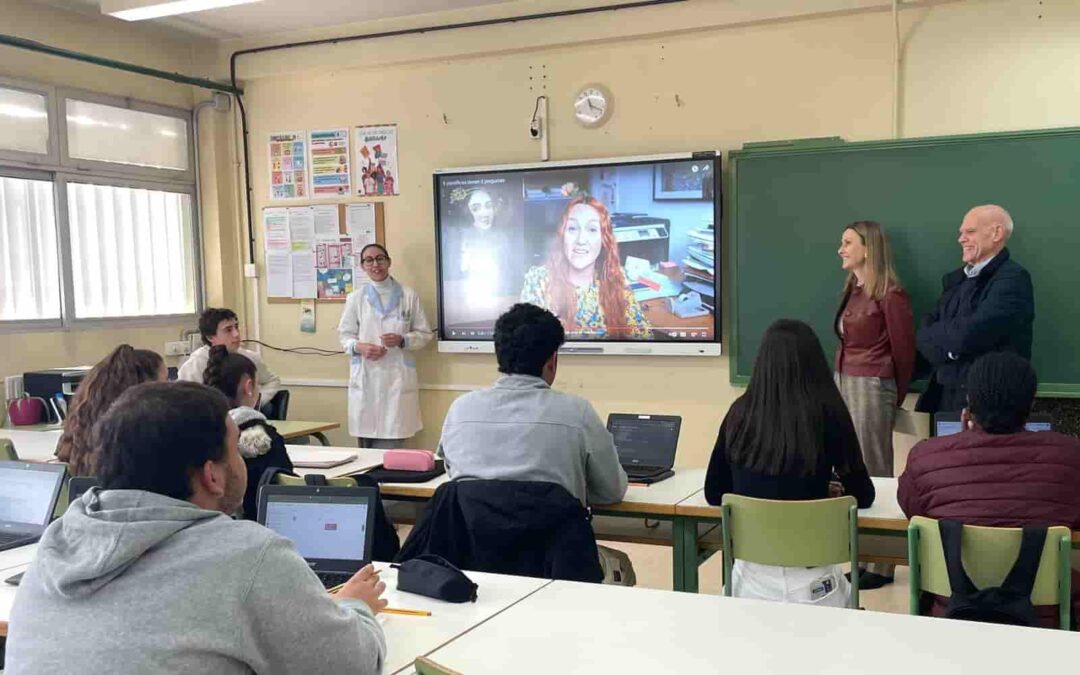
point(407, 612)
point(337, 588)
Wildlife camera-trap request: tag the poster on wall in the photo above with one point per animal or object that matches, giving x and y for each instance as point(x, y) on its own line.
point(330, 175)
point(377, 160)
point(334, 261)
point(288, 170)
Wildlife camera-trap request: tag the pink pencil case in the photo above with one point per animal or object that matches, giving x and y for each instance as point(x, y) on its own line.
point(409, 460)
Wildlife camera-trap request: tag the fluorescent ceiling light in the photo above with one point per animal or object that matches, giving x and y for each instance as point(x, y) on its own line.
point(141, 10)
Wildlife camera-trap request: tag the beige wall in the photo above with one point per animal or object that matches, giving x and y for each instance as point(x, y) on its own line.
point(743, 73)
point(101, 36)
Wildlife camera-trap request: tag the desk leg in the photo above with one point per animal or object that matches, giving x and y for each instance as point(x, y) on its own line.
point(684, 554)
point(321, 437)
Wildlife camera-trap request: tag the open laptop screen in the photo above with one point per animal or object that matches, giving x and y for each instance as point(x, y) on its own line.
point(28, 493)
point(322, 527)
point(946, 424)
point(645, 440)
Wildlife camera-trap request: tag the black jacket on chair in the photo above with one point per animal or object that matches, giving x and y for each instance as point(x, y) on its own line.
point(525, 528)
point(992, 312)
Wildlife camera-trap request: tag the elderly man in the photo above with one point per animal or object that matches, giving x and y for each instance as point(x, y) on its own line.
point(988, 305)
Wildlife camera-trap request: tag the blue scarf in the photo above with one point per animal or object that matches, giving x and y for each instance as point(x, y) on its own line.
point(372, 296)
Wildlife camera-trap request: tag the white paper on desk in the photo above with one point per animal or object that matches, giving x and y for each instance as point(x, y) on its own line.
point(279, 277)
point(360, 222)
point(302, 228)
point(327, 222)
point(276, 230)
point(303, 274)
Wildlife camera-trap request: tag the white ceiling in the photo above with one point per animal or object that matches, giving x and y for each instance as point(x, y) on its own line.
point(276, 16)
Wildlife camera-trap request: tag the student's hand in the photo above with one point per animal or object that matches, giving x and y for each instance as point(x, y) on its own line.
point(836, 489)
point(365, 585)
point(369, 351)
point(391, 339)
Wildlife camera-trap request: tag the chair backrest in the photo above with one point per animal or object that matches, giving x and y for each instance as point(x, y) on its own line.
point(278, 408)
point(7, 450)
point(425, 666)
point(791, 534)
point(286, 479)
point(988, 554)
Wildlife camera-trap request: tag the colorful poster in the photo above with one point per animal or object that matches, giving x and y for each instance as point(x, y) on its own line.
point(288, 165)
point(335, 283)
point(330, 175)
point(377, 160)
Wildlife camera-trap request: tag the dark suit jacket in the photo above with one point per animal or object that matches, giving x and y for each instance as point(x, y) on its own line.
point(993, 313)
point(525, 528)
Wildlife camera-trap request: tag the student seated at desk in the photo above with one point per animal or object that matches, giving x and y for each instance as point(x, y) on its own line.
point(148, 574)
point(522, 429)
point(125, 367)
point(260, 444)
point(220, 326)
point(783, 439)
point(995, 473)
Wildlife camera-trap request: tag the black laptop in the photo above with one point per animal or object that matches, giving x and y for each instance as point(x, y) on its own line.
point(946, 424)
point(331, 527)
point(28, 494)
point(646, 444)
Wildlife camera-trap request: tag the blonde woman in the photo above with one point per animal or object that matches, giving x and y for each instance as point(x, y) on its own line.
point(876, 355)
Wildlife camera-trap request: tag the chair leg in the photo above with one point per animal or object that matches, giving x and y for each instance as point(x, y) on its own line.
point(321, 437)
point(914, 571)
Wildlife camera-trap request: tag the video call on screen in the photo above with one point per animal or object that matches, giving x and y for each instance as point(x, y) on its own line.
point(619, 252)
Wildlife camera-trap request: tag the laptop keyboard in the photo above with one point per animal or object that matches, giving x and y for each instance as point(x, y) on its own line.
point(643, 471)
point(331, 579)
point(7, 538)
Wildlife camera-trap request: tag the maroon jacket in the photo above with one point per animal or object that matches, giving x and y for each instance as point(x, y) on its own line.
point(878, 338)
point(1007, 480)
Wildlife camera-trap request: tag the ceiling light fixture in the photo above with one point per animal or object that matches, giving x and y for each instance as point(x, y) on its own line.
point(141, 10)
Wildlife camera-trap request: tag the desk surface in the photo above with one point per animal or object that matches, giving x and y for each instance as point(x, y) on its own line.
point(365, 459)
point(290, 429)
point(38, 446)
point(588, 628)
point(12, 562)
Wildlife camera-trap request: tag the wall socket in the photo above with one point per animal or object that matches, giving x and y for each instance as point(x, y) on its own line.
point(180, 348)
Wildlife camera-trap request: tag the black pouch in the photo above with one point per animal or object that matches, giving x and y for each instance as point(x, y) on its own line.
point(434, 577)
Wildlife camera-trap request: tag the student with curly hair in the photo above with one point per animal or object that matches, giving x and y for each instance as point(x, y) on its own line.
point(124, 368)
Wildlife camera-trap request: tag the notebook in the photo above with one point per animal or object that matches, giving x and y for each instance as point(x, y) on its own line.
point(28, 494)
point(311, 458)
point(331, 527)
point(946, 424)
point(646, 444)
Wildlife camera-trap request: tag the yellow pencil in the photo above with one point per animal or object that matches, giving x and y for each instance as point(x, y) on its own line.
point(407, 612)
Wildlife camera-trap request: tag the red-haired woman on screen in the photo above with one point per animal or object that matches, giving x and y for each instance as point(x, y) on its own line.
point(583, 282)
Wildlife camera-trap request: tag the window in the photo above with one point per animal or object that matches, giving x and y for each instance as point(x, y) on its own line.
point(97, 208)
point(29, 270)
point(131, 251)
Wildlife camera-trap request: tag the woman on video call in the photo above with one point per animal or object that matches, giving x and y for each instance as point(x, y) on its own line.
point(582, 282)
point(480, 241)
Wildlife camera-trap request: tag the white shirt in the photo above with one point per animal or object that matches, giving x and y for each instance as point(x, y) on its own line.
point(192, 371)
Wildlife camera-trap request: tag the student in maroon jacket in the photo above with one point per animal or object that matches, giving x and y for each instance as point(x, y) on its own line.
point(994, 472)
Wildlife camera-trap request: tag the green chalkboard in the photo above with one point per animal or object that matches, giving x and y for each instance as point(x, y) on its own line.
point(789, 203)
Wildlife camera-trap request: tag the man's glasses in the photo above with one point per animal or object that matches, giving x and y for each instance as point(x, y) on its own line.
point(380, 259)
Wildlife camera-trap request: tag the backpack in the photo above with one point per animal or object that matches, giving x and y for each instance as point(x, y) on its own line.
point(1009, 603)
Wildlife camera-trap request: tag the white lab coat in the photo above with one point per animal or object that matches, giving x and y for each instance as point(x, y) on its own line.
point(384, 399)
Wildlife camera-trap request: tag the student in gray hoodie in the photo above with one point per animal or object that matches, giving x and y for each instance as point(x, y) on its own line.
point(148, 575)
point(522, 429)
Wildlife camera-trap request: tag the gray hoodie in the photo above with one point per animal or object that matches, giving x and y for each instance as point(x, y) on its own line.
point(135, 582)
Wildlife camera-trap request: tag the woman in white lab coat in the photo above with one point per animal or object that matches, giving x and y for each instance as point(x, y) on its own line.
point(382, 323)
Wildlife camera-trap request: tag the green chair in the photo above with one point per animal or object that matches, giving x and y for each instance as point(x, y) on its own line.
point(791, 534)
point(988, 554)
point(425, 666)
point(7, 450)
point(286, 479)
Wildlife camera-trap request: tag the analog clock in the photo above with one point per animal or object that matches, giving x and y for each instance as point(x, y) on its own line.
point(592, 105)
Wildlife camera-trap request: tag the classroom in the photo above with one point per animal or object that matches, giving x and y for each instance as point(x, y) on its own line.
point(382, 211)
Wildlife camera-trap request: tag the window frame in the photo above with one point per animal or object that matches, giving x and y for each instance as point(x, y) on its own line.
point(61, 169)
point(51, 157)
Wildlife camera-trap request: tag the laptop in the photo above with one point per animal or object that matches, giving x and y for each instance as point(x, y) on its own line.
point(646, 444)
point(331, 527)
point(28, 494)
point(946, 424)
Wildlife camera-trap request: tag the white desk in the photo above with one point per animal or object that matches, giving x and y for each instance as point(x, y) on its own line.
point(410, 636)
point(12, 562)
point(365, 460)
point(581, 628)
point(38, 446)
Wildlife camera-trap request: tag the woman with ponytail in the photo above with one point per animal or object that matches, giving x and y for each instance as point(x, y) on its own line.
point(261, 446)
point(583, 281)
point(125, 367)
